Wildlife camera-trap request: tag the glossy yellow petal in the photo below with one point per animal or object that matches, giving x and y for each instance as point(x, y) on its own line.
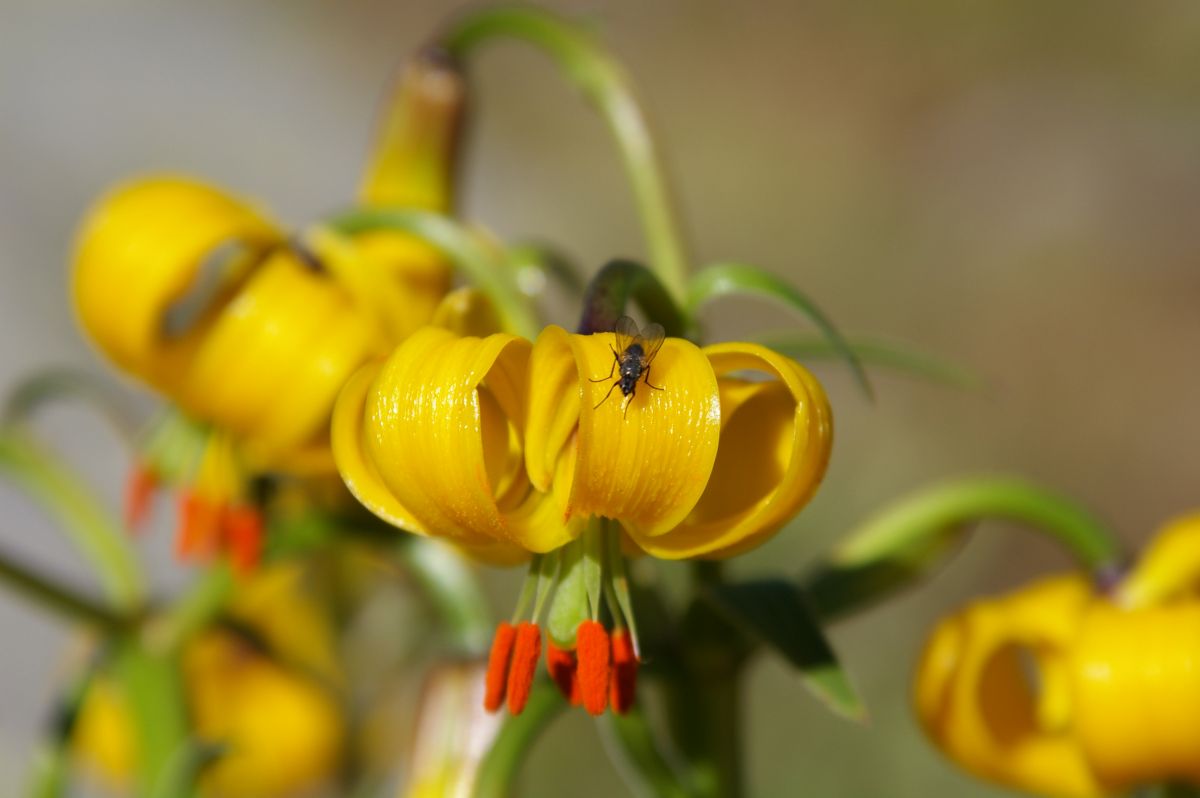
point(775, 442)
point(432, 443)
point(275, 358)
point(140, 250)
point(974, 696)
point(647, 466)
point(467, 311)
point(1169, 568)
point(104, 737)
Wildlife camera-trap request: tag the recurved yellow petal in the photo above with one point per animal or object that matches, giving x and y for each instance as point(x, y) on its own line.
point(1169, 568)
point(975, 697)
point(646, 466)
point(140, 250)
point(775, 440)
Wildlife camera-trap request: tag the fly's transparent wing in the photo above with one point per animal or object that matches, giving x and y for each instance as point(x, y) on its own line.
point(626, 331)
point(651, 340)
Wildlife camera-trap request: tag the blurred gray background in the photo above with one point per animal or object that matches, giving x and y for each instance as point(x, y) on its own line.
point(1015, 186)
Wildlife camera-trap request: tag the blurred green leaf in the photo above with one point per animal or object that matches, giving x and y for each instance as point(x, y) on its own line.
point(609, 291)
point(740, 278)
point(183, 770)
point(874, 352)
point(776, 612)
point(537, 263)
point(909, 538)
point(43, 387)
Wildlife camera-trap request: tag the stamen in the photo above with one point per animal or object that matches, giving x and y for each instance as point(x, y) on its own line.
point(563, 669)
point(526, 653)
point(593, 651)
point(497, 670)
point(624, 672)
point(198, 528)
point(139, 490)
point(243, 526)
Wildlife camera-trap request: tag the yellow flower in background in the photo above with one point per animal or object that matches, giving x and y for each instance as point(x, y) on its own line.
point(499, 445)
point(201, 296)
point(268, 701)
point(1113, 700)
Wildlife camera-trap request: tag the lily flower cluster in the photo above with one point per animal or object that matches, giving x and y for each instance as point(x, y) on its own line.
point(521, 457)
point(1114, 698)
point(205, 299)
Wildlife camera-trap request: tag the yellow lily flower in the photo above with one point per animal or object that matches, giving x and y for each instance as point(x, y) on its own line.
point(506, 449)
point(280, 725)
point(202, 297)
point(494, 442)
point(1115, 699)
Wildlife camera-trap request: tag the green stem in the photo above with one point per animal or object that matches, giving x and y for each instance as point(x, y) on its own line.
point(609, 291)
point(57, 598)
point(648, 768)
point(485, 267)
point(605, 85)
point(152, 686)
point(204, 599)
point(453, 589)
point(90, 527)
point(498, 773)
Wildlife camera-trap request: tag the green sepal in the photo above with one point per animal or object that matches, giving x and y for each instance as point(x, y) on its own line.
point(570, 605)
point(740, 278)
point(775, 612)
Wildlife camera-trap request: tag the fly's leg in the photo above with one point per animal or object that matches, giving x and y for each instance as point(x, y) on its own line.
point(610, 390)
point(646, 379)
point(616, 360)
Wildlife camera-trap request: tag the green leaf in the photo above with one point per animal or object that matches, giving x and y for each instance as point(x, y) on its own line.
point(609, 291)
point(776, 613)
point(52, 385)
point(740, 278)
point(89, 526)
point(537, 264)
point(182, 771)
point(912, 536)
point(874, 352)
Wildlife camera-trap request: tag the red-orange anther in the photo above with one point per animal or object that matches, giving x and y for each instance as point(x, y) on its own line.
point(199, 527)
point(561, 665)
point(526, 653)
point(624, 672)
point(243, 528)
point(497, 670)
point(139, 490)
point(593, 652)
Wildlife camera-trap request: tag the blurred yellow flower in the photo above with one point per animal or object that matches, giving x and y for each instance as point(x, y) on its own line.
point(1063, 692)
point(504, 447)
point(269, 706)
point(202, 297)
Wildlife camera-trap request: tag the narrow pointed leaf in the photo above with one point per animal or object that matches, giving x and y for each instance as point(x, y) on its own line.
point(776, 612)
point(874, 352)
point(740, 278)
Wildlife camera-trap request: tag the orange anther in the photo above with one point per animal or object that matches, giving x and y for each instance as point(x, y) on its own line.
point(526, 653)
point(624, 672)
point(139, 490)
point(198, 528)
point(593, 651)
point(243, 529)
point(561, 665)
point(497, 670)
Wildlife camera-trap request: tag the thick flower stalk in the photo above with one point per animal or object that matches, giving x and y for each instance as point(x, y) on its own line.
point(1114, 701)
point(205, 299)
point(509, 449)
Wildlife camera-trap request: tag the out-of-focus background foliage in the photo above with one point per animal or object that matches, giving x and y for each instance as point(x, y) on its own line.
point(1012, 185)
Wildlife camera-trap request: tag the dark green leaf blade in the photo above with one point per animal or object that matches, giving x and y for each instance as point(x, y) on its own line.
point(776, 612)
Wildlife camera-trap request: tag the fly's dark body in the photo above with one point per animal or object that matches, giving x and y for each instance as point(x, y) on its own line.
point(632, 356)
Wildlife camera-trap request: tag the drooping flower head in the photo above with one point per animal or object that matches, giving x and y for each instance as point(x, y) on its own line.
point(202, 297)
point(508, 449)
point(1060, 690)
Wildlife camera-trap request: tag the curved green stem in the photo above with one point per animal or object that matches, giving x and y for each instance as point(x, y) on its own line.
point(500, 768)
point(604, 83)
point(448, 582)
point(457, 243)
point(58, 598)
point(653, 773)
point(90, 527)
point(609, 291)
